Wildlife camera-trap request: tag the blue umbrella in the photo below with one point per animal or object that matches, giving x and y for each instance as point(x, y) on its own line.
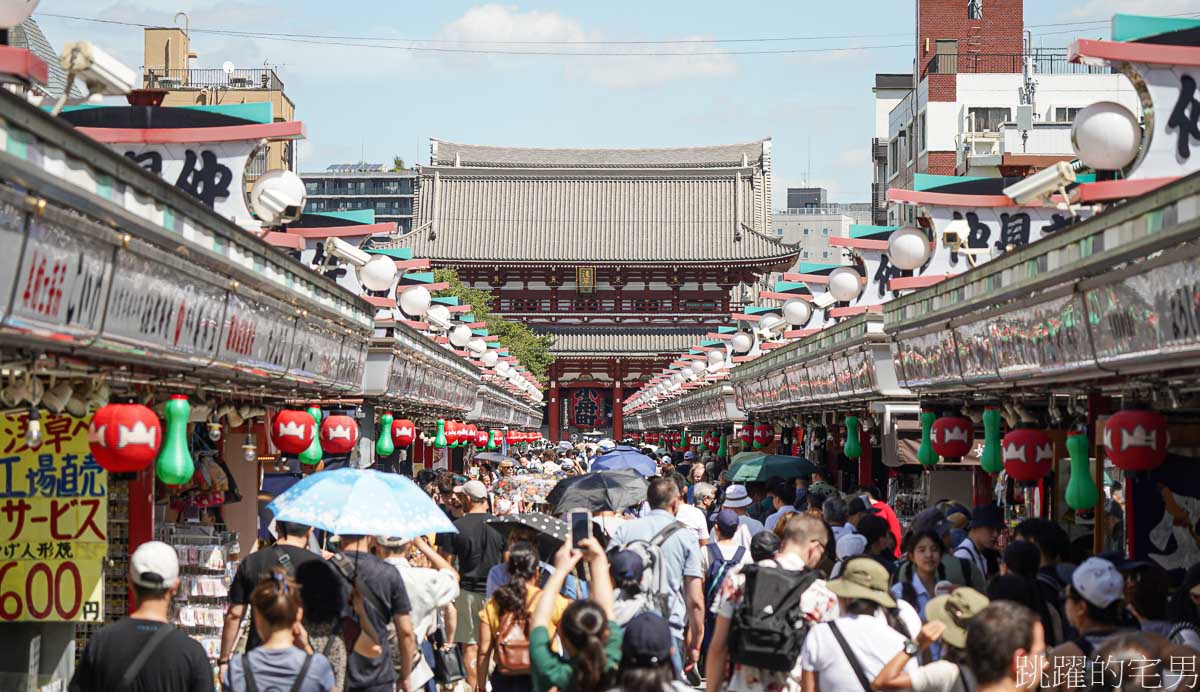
point(361, 502)
point(625, 457)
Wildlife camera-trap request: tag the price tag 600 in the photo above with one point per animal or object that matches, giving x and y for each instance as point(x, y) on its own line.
point(56, 590)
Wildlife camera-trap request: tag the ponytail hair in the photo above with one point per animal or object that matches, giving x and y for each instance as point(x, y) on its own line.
point(277, 599)
point(522, 568)
point(585, 626)
point(863, 606)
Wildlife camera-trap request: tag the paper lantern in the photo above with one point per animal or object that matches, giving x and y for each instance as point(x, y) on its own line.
point(1136, 439)
point(404, 431)
point(440, 441)
point(384, 447)
point(746, 435)
point(450, 430)
point(339, 434)
point(415, 301)
point(378, 273)
point(314, 453)
point(293, 431)
point(845, 283)
point(652, 438)
point(722, 448)
point(481, 439)
point(1081, 489)
point(925, 453)
point(952, 436)
point(124, 438)
point(493, 443)
point(174, 464)
point(853, 447)
point(1028, 454)
point(711, 441)
point(763, 435)
point(991, 460)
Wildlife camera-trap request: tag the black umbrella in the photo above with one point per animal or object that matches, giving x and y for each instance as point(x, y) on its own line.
point(599, 491)
point(552, 531)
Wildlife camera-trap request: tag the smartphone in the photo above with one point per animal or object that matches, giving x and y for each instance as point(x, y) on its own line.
point(581, 527)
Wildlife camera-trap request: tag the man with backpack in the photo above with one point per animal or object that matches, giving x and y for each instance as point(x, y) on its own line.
point(720, 559)
point(671, 557)
point(764, 612)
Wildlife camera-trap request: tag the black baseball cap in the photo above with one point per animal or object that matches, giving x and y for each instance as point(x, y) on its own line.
point(625, 564)
point(647, 642)
point(859, 505)
point(764, 545)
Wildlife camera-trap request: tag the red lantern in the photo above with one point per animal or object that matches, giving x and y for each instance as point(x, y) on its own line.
point(481, 439)
point(712, 442)
point(124, 438)
point(293, 431)
point(764, 435)
point(652, 438)
point(1136, 440)
point(468, 434)
point(952, 436)
point(746, 434)
point(404, 432)
point(1028, 454)
point(511, 437)
point(450, 430)
point(338, 434)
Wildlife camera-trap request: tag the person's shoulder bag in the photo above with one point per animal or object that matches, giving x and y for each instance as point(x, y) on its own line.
point(139, 662)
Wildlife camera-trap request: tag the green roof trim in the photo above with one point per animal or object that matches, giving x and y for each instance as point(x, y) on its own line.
point(858, 230)
point(1134, 27)
point(363, 216)
point(712, 342)
point(817, 267)
point(418, 277)
point(759, 309)
point(446, 300)
point(797, 287)
point(400, 253)
point(926, 181)
point(251, 112)
point(727, 329)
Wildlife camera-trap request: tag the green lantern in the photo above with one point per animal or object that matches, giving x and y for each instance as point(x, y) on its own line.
point(491, 445)
point(991, 460)
point(1081, 489)
point(314, 453)
point(853, 447)
point(925, 453)
point(384, 446)
point(440, 440)
point(174, 465)
point(722, 450)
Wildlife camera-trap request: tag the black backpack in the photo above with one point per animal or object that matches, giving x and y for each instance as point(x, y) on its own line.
point(768, 627)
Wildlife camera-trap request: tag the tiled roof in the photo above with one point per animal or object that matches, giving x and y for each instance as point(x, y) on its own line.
point(472, 155)
point(28, 35)
point(632, 341)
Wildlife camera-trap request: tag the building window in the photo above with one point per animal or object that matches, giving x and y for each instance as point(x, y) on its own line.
point(1066, 115)
point(313, 187)
point(974, 9)
point(893, 156)
point(922, 137)
point(825, 231)
point(778, 231)
point(912, 142)
point(804, 254)
point(824, 254)
point(987, 119)
point(807, 231)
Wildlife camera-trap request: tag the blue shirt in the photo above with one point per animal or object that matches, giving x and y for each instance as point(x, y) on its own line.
point(681, 557)
point(498, 576)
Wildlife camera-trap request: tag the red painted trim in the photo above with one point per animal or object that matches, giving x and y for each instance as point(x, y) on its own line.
point(492, 337)
point(906, 282)
point(773, 295)
point(380, 301)
point(859, 243)
point(141, 513)
point(459, 308)
point(1119, 189)
point(24, 64)
point(743, 316)
point(718, 335)
point(854, 310)
point(344, 231)
point(744, 359)
point(478, 325)
point(419, 263)
point(799, 333)
point(772, 345)
point(807, 278)
point(292, 129)
point(1116, 51)
point(441, 286)
point(415, 324)
point(286, 240)
point(948, 199)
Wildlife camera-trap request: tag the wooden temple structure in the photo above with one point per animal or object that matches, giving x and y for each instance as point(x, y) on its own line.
point(626, 256)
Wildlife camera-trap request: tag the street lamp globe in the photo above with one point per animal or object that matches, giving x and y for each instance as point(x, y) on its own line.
point(908, 248)
point(490, 358)
point(460, 335)
point(477, 347)
point(1106, 136)
point(845, 283)
point(697, 367)
point(502, 368)
point(716, 358)
point(797, 312)
point(415, 301)
point(378, 273)
point(742, 342)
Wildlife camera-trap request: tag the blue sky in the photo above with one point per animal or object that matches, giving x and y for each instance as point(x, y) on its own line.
point(378, 102)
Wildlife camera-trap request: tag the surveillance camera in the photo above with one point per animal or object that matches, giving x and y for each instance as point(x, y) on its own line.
point(1041, 184)
point(347, 252)
point(439, 318)
point(823, 300)
point(278, 197)
point(102, 73)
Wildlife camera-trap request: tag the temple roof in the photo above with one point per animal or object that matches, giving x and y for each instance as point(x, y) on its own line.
point(445, 153)
point(618, 341)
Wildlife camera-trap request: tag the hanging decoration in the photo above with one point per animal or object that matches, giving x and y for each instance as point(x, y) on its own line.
point(404, 431)
point(925, 453)
point(798, 441)
point(1028, 454)
point(313, 454)
point(492, 444)
point(1081, 489)
point(440, 440)
point(293, 431)
point(1136, 439)
point(764, 435)
point(481, 439)
point(991, 459)
point(723, 448)
point(746, 434)
point(384, 445)
point(174, 465)
point(339, 433)
point(124, 438)
point(853, 447)
point(952, 437)
point(711, 441)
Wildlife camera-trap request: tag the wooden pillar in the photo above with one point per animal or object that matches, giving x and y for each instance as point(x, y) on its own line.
point(141, 515)
point(618, 429)
point(552, 412)
point(867, 460)
point(1097, 406)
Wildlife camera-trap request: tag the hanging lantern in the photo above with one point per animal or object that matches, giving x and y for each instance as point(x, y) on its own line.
point(293, 431)
point(339, 434)
point(481, 439)
point(124, 438)
point(384, 446)
point(991, 459)
point(313, 454)
point(710, 441)
point(404, 432)
point(1028, 454)
point(440, 441)
point(450, 429)
point(746, 434)
point(511, 437)
point(925, 453)
point(952, 437)
point(1081, 489)
point(174, 465)
point(763, 436)
point(853, 447)
point(1136, 439)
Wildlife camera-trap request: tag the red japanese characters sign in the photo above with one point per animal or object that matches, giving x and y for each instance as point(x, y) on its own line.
point(53, 522)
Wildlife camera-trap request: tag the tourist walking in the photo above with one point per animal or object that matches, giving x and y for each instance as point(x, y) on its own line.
point(982, 532)
point(430, 590)
point(948, 618)
point(738, 500)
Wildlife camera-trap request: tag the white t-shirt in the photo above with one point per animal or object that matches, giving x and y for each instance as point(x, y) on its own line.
point(747, 527)
point(727, 552)
point(428, 591)
point(939, 676)
point(693, 518)
point(873, 642)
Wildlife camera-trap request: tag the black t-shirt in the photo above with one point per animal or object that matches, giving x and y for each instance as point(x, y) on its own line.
point(388, 598)
point(478, 548)
point(301, 564)
point(178, 664)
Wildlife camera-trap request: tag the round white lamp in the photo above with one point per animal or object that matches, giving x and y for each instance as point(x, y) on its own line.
point(477, 347)
point(716, 358)
point(415, 301)
point(378, 273)
point(908, 248)
point(797, 312)
point(439, 318)
point(502, 368)
point(460, 336)
point(1106, 136)
point(742, 342)
point(768, 322)
point(697, 367)
point(490, 358)
point(845, 283)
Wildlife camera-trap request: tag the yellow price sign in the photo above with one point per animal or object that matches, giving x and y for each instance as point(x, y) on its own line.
point(58, 590)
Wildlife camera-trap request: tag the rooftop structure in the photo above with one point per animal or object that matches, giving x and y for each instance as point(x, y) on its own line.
point(357, 186)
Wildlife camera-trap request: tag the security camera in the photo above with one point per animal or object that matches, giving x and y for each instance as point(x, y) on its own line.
point(439, 318)
point(346, 252)
point(823, 300)
point(278, 197)
point(1041, 184)
point(102, 73)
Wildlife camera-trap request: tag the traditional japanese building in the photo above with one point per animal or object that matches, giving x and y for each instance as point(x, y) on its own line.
point(626, 256)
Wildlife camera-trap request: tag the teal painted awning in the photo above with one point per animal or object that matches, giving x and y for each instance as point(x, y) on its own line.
point(446, 300)
point(869, 232)
point(759, 309)
point(400, 253)
point(250, 112)
point(817, 267)
point(1135, 27)
point(417, 278)
point(926, 181)
point(798, 287)
point(356, 216)
point(727, 330)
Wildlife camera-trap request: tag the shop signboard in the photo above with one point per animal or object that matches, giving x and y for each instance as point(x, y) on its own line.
point(53, 523)
point(315, 351)
point(212, 172)
point(928, 360)
point(12, 228)
point(257, 336)
point(1043, 338)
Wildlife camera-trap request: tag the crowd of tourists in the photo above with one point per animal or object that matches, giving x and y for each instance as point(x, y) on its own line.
point(786, 584)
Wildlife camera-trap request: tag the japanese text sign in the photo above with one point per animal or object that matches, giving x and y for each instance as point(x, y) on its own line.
point(53, 522)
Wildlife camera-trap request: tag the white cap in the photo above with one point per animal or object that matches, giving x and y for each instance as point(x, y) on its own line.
point(475, 490)
point(736, 496)
point(1098, 581)
point(850, 545)
point(154, 565)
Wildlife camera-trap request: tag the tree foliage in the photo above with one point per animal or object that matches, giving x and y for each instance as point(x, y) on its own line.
point(531, 349)
point(397, 164)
